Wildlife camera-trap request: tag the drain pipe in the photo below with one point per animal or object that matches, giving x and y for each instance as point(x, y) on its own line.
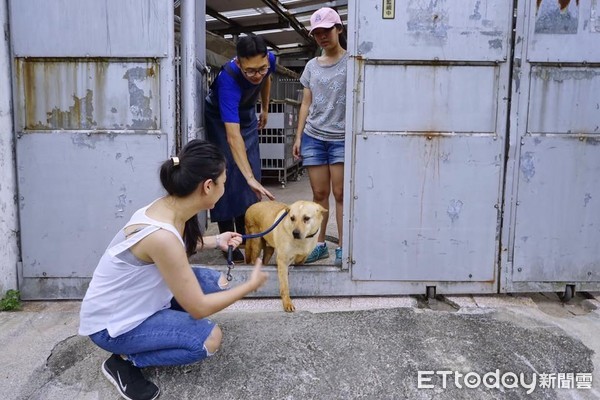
point(190, 87)
point(9, 223)
point(193, 44)
point(201, 69)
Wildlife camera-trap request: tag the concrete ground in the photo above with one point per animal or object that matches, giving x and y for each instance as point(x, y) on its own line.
point(335, 348)
point(403, 347)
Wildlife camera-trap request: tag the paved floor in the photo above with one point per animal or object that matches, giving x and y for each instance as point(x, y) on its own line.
point(335, 348)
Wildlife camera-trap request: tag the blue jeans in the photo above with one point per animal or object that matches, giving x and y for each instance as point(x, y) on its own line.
point(168, 337)
point(320, 152)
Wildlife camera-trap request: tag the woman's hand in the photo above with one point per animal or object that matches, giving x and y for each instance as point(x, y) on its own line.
point(258, 276)
point(226, 239)
point(296, 148)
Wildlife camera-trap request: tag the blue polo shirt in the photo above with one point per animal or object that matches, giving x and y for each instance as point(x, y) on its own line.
point(229, 91)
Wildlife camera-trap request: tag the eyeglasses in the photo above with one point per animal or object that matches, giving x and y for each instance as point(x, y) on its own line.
point(250, 72)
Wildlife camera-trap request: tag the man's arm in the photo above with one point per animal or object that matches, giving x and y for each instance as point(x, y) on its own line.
point(238, 149)
point(265, 93)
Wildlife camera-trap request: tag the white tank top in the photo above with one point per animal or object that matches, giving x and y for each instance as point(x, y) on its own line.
point(122, 295)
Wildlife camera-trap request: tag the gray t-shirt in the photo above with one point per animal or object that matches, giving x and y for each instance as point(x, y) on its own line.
point(327, 114)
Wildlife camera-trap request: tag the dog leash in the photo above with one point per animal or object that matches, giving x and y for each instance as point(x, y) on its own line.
point(230, 263)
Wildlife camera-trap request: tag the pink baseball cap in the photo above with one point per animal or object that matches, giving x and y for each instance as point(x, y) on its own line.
point(324, 18)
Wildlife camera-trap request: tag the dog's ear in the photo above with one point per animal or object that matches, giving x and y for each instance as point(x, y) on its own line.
point(322, 209)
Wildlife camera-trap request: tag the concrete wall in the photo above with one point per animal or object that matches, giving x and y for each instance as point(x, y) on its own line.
point(9, 251)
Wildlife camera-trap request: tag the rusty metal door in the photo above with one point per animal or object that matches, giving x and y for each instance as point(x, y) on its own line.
point(94, 117)
point(428, 130)
point(553, 174)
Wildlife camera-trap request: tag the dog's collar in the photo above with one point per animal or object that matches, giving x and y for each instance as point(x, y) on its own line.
point(313, 234)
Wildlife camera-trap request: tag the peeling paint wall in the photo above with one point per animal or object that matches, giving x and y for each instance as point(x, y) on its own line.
point(94, 106)
point(76, 28)
point(564, 100)
point(438, 30)
point(9, 251)
point(428, 128)
point(552, 225)
point(557, 17)
point(561, 31)
point(97, 95)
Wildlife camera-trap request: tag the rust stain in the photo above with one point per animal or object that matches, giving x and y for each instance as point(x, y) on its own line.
point(431, 157)
point(563, 4)
point(592, 141)
point(29, 91)
point(430, 134)
point(48, 105)
point(100, 67)
point(37, 79)
point(78, 116)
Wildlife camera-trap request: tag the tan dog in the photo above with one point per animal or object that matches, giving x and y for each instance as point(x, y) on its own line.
point(293, 238)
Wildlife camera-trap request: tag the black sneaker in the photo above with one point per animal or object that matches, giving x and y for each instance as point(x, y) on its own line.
point(129, 379)
point(237, 256)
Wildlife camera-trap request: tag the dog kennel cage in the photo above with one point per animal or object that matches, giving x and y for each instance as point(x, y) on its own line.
point(277, 139)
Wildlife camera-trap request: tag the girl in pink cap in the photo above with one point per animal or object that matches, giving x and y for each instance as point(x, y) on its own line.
point(322, 120)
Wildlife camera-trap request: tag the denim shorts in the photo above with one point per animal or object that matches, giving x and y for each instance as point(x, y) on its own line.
point(168, 337)
point(320, 152)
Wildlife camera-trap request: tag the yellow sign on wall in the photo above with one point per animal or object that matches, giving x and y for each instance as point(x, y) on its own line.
point(389, 9)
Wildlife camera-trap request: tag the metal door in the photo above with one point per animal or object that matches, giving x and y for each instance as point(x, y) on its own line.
point(425, 161)
point(553, 174)
point(94, 116)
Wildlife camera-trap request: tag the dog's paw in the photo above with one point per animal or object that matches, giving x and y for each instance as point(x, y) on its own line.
point(288, 306)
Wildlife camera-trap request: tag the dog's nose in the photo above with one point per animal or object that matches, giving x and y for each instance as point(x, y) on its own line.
point(296, 234)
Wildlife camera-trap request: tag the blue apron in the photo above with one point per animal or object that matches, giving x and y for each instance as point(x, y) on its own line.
point(238, 196)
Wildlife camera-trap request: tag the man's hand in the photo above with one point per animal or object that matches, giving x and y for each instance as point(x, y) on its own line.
point(262, 120)
point(259, 189)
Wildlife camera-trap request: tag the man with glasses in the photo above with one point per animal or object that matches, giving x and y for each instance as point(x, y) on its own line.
point(231, 123)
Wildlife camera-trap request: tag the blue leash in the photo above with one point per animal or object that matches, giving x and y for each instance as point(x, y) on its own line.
point(230, 263)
